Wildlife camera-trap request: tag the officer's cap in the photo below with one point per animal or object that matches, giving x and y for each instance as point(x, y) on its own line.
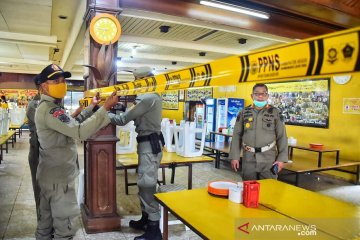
point(37, 80)
point(142, 72)
point(52, 72)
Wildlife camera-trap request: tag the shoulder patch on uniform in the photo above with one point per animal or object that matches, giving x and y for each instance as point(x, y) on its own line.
point(59, 113)
point(64, 118)
point(52, 111)
point(238, 117)
point(270, 109)
point(282, 118)
point(249, 106)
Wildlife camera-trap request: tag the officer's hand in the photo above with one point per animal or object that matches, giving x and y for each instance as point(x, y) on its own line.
point(280, 165)
point(120, 107)
point(77, 111)
point(111, 101)
point(96, 99)
point(235, 164)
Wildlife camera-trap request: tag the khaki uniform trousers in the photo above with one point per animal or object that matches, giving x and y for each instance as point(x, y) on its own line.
point(58, 210)
point(33, 159)
point(147, 179)
point(251, 169)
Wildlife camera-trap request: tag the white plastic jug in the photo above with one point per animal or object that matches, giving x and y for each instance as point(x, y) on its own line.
point(17, 116)
point(5, 123)
point(1, 121)
point(167, 129)
point(185, 139)
point(127, 138)
point(292, 141)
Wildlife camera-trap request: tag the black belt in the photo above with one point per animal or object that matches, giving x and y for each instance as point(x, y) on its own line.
point(146, 138)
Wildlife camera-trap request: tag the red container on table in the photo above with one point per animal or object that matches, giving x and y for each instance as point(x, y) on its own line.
point(251, 194)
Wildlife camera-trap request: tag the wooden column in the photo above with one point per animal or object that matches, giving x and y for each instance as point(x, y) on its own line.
point(99, 211)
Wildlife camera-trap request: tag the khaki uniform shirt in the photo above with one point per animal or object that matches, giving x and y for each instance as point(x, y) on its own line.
point(30, 114)
point(57, 132)
point(147, 115)
point(258, 128)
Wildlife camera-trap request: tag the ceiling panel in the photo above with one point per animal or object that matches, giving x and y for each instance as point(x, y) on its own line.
point(62, 27)
point(3, 25)
point(9, 50)
point(145, 48)
point(150, 28)
point(34, 52)
point(232, 40)
point(33, 17)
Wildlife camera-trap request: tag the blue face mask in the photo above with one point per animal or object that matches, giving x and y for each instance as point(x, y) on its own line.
point(260, 104)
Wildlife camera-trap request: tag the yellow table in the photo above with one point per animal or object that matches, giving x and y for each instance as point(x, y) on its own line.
point(219, 148)
point(169, 160)
point(218, 218)
point(17, 128)
point(318, 150)
point(5, 139)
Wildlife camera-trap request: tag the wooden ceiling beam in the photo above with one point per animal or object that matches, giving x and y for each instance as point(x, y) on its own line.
point(278, 24)
point(330, 12)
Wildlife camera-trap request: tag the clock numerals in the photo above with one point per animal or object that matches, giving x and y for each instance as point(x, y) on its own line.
point(105, 29)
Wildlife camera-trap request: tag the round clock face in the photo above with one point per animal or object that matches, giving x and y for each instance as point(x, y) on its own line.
point(105, 28)
point(342, 79)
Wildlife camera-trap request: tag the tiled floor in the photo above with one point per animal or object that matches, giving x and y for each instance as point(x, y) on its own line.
point(17, 207)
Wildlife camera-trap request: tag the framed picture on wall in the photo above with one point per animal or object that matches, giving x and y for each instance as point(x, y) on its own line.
point(198, 94)
point(181, 95)
point(302, 103)
point(170, 100)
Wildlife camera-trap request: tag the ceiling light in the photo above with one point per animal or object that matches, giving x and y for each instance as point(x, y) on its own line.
point(119, 62)
point(164, 29)
point(133, 51)
point(235, 8)
point(62, 17)
point(242, 40)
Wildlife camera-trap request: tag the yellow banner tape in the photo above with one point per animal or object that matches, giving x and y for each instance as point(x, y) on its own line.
point(329, 54)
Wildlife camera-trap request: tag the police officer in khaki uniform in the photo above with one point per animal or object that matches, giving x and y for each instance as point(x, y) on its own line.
point(260, 133)
point(147, 114)
point(33, 156)
point(58, 163)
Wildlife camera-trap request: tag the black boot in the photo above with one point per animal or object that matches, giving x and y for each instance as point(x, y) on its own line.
point(152, 232)
point(140, 224)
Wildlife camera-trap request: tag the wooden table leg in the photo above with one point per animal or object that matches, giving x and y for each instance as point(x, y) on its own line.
point(172, 166)
point(190, 176)
point(357, 177)
point(165, 223)
point(126, 181)
point(13, 141)
point(337, 157)
point(320, 157)
point(217, 159)
point(1, 153)
point(163, 176)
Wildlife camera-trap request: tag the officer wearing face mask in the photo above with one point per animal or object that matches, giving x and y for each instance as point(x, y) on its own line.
point(58, 162)
point(34, 144)
point(260, 133)
point(147, 114)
